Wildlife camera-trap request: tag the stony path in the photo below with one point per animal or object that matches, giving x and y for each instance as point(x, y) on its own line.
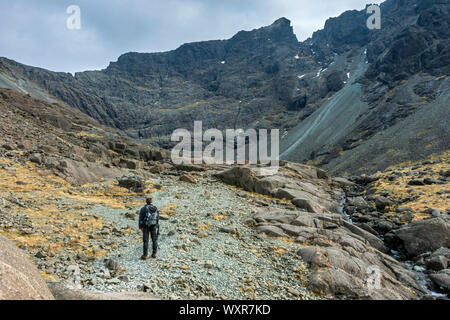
point(205, 251)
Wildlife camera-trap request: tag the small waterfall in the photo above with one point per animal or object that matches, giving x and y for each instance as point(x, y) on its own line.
point(341, 208)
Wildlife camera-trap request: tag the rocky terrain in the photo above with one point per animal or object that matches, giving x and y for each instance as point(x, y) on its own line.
point(339, 97)
point(366, 215)
point(235, 232)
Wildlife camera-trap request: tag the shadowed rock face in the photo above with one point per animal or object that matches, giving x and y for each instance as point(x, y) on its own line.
point(346, 82)
point(19, 278)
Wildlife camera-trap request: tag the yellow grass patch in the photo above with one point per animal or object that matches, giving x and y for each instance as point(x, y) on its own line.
point(169, 210)
point(204, 226)
point(427, 194)
point(88, 134)
point(61, 225)
point(279, 251)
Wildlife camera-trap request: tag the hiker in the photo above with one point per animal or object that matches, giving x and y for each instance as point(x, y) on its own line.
point(149, 224)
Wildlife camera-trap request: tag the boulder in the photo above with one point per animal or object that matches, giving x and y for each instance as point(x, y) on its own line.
point(303, 204)
point(132, 183)
point(426, 235)
point(188, 178)
point(19, 277)
point(242, 177)
point(358, 202)
point(442, 279)
point(382, 202)
point(437, 263)
point(128, 164)
point(372, 239)
point(272, 231)
point(267, 184)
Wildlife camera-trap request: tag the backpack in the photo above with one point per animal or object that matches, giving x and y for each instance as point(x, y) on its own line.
point(151, 215)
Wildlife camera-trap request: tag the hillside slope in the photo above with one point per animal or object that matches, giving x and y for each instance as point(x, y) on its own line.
point(331, 95)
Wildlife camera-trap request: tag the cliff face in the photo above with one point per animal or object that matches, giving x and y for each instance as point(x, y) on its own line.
point(265, 78)
point(150, 94)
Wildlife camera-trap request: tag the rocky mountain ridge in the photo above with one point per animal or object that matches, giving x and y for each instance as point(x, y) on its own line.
point(265, 78)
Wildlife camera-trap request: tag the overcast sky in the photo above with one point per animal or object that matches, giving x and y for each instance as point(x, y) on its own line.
point(34, 32)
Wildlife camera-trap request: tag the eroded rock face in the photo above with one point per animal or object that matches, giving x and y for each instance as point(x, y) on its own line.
point(307, 187)
point(62, 291)
point(345, 261)
point(131, 182)
point(19, 278)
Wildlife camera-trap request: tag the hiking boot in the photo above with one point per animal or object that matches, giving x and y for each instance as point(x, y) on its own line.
point(154, 255)
point(144, 257)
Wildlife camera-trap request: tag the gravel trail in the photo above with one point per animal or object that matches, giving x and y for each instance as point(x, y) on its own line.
point(205, 250)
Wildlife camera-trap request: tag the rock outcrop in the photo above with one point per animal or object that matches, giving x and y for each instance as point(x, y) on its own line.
point(19, 277)
point(424, 236)
point(342, 258)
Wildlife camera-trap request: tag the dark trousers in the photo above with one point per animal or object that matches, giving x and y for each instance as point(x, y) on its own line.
point(153, 231)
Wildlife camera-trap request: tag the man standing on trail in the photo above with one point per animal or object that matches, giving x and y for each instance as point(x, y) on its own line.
point(149, 224)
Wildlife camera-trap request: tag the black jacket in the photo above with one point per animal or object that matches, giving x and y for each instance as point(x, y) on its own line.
point(142, 217)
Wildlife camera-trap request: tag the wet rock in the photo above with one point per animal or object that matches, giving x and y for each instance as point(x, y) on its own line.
point(36, 158)
point(437, 263)
point(442, 279)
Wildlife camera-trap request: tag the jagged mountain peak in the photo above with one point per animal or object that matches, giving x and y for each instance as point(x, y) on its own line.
point(265, 78)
